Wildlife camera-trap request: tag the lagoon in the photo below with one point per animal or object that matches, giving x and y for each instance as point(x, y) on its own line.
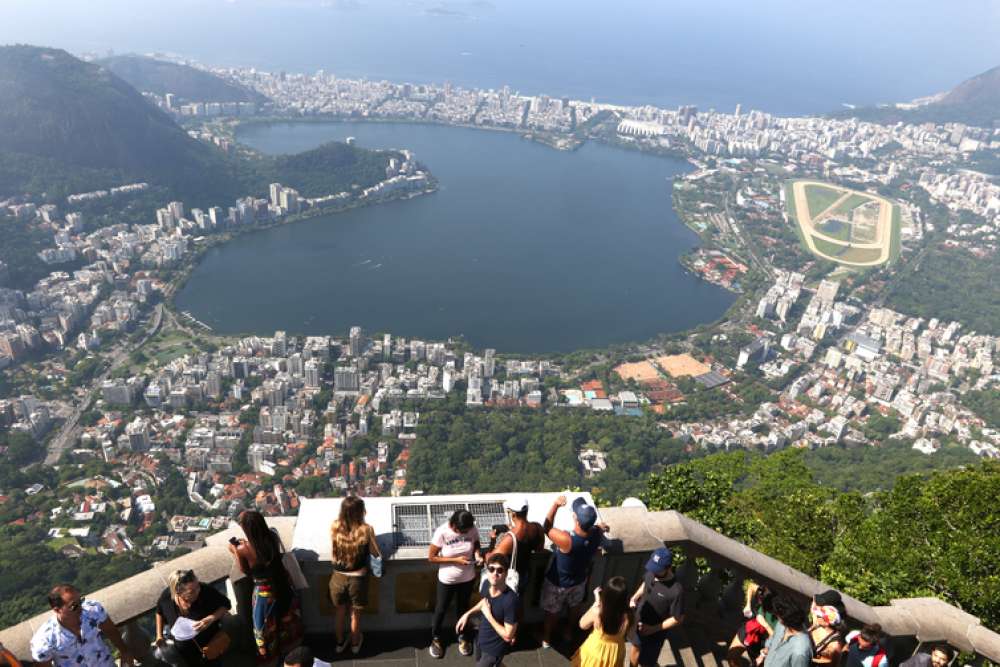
point(523, 248)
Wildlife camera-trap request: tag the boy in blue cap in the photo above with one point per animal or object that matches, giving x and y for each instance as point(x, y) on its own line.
point(659, 605)
point(573, 552)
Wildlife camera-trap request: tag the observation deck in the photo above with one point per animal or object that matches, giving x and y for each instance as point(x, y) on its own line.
point(397, 622)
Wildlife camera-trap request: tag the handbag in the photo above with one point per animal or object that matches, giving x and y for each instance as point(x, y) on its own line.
point(216, 646)
point(513, 576)
point(374, 562)
point(295, 576)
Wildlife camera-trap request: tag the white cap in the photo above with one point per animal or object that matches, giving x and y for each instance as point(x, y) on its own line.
point(516, 504)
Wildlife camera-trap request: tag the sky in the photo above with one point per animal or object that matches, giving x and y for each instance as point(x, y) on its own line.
point(782, 55)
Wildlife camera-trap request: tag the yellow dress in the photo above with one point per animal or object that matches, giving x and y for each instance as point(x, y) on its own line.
point(600, 649)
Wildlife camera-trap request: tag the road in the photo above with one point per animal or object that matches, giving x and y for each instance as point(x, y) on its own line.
point(70, 430)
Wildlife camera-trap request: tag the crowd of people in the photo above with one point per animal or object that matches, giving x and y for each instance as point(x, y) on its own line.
point(777, 630)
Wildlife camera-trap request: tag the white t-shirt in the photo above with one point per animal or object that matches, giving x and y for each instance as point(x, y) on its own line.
point(454, 544)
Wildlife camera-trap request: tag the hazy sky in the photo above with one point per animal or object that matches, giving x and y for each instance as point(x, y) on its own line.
point(784, 55)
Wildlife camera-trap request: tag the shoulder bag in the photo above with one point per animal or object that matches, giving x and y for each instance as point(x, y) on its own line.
point(513, 576)
point(374, 560)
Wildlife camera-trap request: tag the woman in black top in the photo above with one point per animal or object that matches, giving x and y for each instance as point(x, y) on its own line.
point(186, 597)
point(259, 556)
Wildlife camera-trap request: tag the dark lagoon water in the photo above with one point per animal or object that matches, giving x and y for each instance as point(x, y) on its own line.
point(523, 248)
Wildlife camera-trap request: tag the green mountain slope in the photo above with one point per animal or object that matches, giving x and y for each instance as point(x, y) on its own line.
point(975, 101)
point(54, 106)
point(161, 77)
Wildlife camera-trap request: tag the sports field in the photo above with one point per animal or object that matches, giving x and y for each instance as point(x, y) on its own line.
point(845, 226)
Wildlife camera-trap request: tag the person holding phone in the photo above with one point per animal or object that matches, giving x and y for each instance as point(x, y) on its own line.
point(455, 550)
point(352, 543)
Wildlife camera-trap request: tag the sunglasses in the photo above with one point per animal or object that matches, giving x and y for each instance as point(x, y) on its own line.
point(75, 605)
point(496, 570)
point(187, 577)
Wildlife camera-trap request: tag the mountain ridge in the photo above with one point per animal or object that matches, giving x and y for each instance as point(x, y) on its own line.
point(161, 77)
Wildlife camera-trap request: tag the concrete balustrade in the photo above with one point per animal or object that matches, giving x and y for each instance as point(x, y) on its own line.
point(403, 598)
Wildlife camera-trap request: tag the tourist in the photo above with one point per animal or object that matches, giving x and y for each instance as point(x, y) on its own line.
point(74, 635)
point(527, 537)
point(865, 648)
point(758, 627)
point(573, 553)
point(609, 617)
point(185, 597)
point(7, 658)
point(352, 546)
point(259, 556)
point(455, 549)
point(498, 605)
point(826, 631)
point(940, 656)
point(303, 657)
point(659, 605)
point(790, 645)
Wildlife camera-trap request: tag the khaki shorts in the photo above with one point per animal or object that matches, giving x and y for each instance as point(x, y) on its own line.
point(349, 590)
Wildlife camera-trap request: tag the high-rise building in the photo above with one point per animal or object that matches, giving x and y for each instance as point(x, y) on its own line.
point(357, 341)
point(346, 379)
point(489, 363)
point(279, 344)
point(312, 370)
point(176, 209)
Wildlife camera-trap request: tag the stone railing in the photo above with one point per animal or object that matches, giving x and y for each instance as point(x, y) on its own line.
point(403, 598)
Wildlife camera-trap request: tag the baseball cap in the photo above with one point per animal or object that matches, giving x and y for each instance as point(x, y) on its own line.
point(585, 514)
point(660, 560)
point(830, 598)
point(516, 504)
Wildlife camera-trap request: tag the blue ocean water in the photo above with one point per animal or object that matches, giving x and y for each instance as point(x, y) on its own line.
point(782, 56)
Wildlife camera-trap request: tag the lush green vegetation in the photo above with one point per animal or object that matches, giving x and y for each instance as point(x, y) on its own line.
point(985, 403)
point(459, 450)
point(951, 284)
point(930, 535)
point(866, 469)
point(161, 77)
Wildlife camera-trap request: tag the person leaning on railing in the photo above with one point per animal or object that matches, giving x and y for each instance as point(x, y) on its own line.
point(7, 658)
point(205, 608)
point(74, 635)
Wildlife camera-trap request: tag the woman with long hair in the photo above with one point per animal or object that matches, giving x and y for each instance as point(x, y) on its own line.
point(609, 618)
point(352, 543)
point(259, 556)
point(185, 597)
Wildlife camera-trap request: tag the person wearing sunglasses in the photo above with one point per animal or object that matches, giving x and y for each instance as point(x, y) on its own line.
point(74, 635)
point(498, 605)
point(205, 607)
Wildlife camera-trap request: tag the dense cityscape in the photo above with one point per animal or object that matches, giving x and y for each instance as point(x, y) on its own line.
point(131, 428)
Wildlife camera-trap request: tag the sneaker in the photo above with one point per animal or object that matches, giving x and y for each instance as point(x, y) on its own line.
point(436, 650)
point(465, 646)
point(342, 646)
point(356, 648)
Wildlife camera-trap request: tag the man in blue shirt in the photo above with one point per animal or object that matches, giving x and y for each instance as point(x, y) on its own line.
point(572, 554)
point(499, 608)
